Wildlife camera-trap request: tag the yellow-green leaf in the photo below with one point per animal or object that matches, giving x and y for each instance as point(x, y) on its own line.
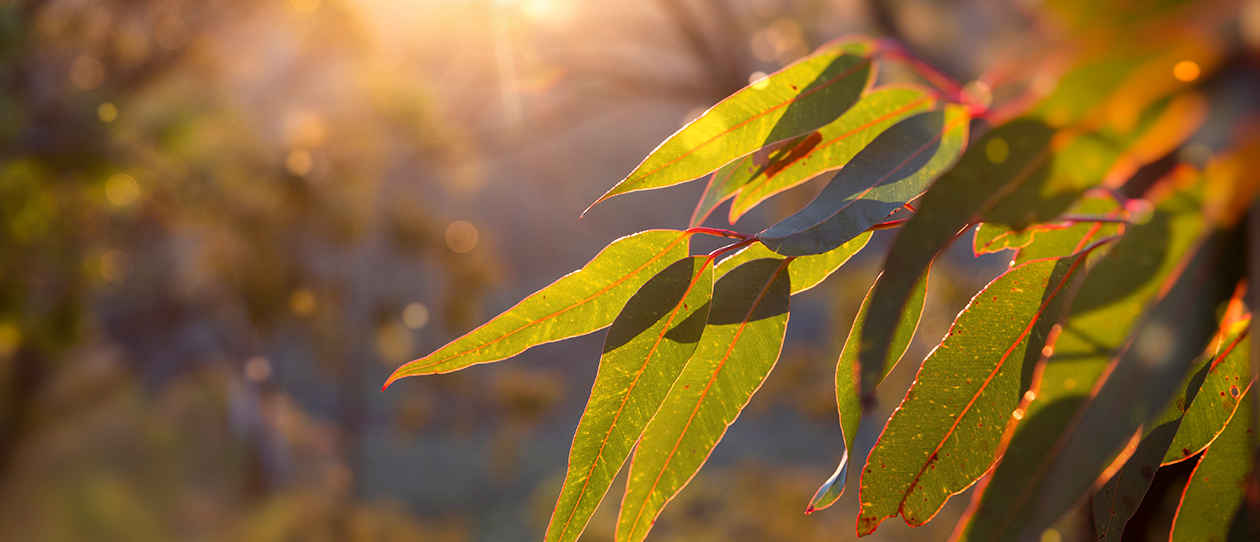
point(1220, 396)
point(806, 271)
point(1217, 486)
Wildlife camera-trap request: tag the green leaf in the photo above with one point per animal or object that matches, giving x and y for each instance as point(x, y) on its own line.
point(807, 271)
point(1080, 164)
point(579, 303)
point(646, 348)
point(794, 101)
point(1145, 376)
point(1117, 500)
point(1228, 379)
point(946, 433)
point(737, 350)
point(991, 238)
point(830, 147)
point(952, 203)
point(1052, 240)
point(1217, 486)
point(1112, 297)
point(848, 403)
point(895, 168)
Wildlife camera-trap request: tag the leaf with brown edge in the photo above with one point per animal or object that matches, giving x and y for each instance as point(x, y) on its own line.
point(1221, 395)
point(579, 303)
point(646, 348)
point(848, 374)
point(1217, 486)
point(946, 433)
point(806, 271)
point(1101, 317)
point(738, 349)
point(794, 101)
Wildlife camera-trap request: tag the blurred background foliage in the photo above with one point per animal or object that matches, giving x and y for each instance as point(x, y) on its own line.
point(223, 222)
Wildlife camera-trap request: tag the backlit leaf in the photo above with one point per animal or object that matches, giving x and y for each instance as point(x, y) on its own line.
point(946, 433)
point(1219, 397)
point(806, 271)
point(1217, 486)
point(646, 348)
point(794, 101)
point(1051, 240)
point(738, 349)
point(897, 167)
point(1112, 297)
point(579, 303)
point(848, 403)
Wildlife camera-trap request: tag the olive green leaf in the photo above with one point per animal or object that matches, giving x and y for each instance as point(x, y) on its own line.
point(1100, 320)
point(1228, 379)
point(806, 271)
point(1051, 240)
point(647, 346)
point(951, 204)
point(848, 403)
point(1145, 376)
point(794, 101)
point(897, 167)
point(946, 433)
point(579, 303)
point(1217, 486)
point(738, 349)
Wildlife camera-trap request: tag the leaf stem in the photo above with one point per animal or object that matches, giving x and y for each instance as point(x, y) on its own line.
point(894, 49)
point(1092, 218)
point(719, 232)
point(733, 246)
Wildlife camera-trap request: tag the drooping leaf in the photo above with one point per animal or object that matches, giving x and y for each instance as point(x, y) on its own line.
point(946, 432)
point(579, 303)
point(833, 146)
point(1145, 376)
point(1101, 316)
point(897, 167)
point(952, 203)
point(646, 348)
point(848, 403)
point(794, 101)
point(1117, 500)
point(1218, 484)
point(1220, 396)
point(1072, 168)
point(738, 349)
point(1051, 240)
point(732, 177)
point(806, 271)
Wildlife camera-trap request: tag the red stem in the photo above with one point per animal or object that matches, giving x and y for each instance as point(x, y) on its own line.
point(894, 49)
point(733, 246)
point(719, 232)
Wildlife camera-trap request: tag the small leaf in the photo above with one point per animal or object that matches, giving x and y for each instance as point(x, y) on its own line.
point(807, 271)
point(894, 169)
point(646, 348)
point(847, 375)
point(737, 350)
point(1217, 486)
point(1099, 324)
point(946, 432)
point(833, 147)
point(1221, 395)
point(1146, 375)
point(794, 101)
point(1051, 243)
point(579, 303)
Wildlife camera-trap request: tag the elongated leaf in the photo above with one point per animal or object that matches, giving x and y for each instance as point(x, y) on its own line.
point(732, 177)
point(1102, 314)
point(833, 146)
point(646, 348)
point(1117, 500)
point(796, 100)
point(964, 193)
point(737, 350)
point(1080, 164)
point(848, 374)
point(1146, 374)
point(1051, 240)
point(946, 433)
point(1217, 486)
point(807, 271)
point(1220, 396)
point(577, 304)
point(895, 168)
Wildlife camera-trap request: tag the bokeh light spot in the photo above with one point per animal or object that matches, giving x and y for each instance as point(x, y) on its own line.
point(302, 302)
point(299, 163)
point(1186, 71)
point(1051, 535)
point(171, 33)
point(997, 150)
point(107, 112)
point(10, 338)
point(257, 369)
point(87, 72)
point(758, 80)
point(394, 343)
point(115, 266)
point(305, 6)
point(121, 189)
point(461, 236)
point(415, 315)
